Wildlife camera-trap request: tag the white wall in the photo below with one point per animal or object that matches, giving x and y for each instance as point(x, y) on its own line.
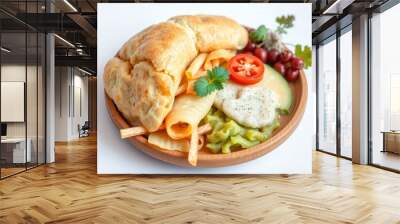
point(34, 124)
point(61, 103)
point(80, 110)
point(12, 73)
point(71, 94)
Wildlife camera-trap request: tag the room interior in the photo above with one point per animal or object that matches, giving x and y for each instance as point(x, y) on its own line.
point(49, 124)
point(22, 102)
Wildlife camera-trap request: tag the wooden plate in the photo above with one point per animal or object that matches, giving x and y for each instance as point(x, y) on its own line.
point(208, 159)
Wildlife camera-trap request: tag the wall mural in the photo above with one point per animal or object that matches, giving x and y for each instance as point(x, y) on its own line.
point(204, 89)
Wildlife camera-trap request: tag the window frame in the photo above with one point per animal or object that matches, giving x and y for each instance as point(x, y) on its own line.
point(334, 37)
point(381, 9)
point(29, 29)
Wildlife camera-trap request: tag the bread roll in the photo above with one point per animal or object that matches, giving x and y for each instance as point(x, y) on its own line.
point(214, 32)
point(117, 79)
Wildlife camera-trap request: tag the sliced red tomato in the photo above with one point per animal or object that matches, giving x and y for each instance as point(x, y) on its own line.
point(245, 69)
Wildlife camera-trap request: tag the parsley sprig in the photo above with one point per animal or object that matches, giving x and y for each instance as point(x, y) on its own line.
point(213, 81)
point(304, 53)
point(284, 23)
point(259, 35)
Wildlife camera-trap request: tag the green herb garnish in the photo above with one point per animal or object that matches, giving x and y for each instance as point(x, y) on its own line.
point(213, 81)
point(304, 53)
point(259, 35)
point(285, 22)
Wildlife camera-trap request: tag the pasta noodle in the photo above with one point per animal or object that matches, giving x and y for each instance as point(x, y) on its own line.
point(139, 130)
point(190, 87)
point(186, 114)
point(200, 73)
point(218, 57)
point(195, 66)
point(194, 147)
point(190, 83)
point(134, 131)
point(204, 129)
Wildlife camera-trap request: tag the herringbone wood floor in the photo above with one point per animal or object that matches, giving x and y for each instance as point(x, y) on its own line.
point(70, 191)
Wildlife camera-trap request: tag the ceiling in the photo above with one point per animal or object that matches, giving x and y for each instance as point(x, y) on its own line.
point(76, 21)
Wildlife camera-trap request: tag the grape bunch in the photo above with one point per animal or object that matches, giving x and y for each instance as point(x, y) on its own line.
point(283, 61)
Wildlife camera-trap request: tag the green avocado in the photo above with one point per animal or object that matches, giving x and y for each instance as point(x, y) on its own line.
point(278, 84)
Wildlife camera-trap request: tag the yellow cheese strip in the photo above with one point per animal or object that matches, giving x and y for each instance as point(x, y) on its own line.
point(195, 66)
point(162, 140)
point(190, 87)
point(194, 147)
point(200, 73)
point(218, 57)
point(139, 130)
point(191, 82)
point(134, 131)
point(187, 112)
point(204, 129)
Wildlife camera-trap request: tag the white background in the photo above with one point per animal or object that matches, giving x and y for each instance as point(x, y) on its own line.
point(12, 98)
point(116, 23)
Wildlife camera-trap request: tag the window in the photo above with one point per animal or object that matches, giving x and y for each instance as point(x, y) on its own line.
point(15, 150)
point(333, 138)
point(385, 89)
point(346, 93)
point(22, 77)
point(327, 97)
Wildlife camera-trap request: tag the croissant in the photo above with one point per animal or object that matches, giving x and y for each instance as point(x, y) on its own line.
point(143, 77)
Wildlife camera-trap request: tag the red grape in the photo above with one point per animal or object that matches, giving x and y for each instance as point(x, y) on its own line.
point(285, 56)
point(250, 46)
point(297, 63)
point(279, 67)
point(272, 56)
point(291, 74)
point(261, 53)
point(288, 65)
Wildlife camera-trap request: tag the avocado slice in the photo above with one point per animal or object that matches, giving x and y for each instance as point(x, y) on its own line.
point(278, 84)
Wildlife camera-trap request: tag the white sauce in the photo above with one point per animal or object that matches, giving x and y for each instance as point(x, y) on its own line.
point(230, 91)
point(251, 106)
